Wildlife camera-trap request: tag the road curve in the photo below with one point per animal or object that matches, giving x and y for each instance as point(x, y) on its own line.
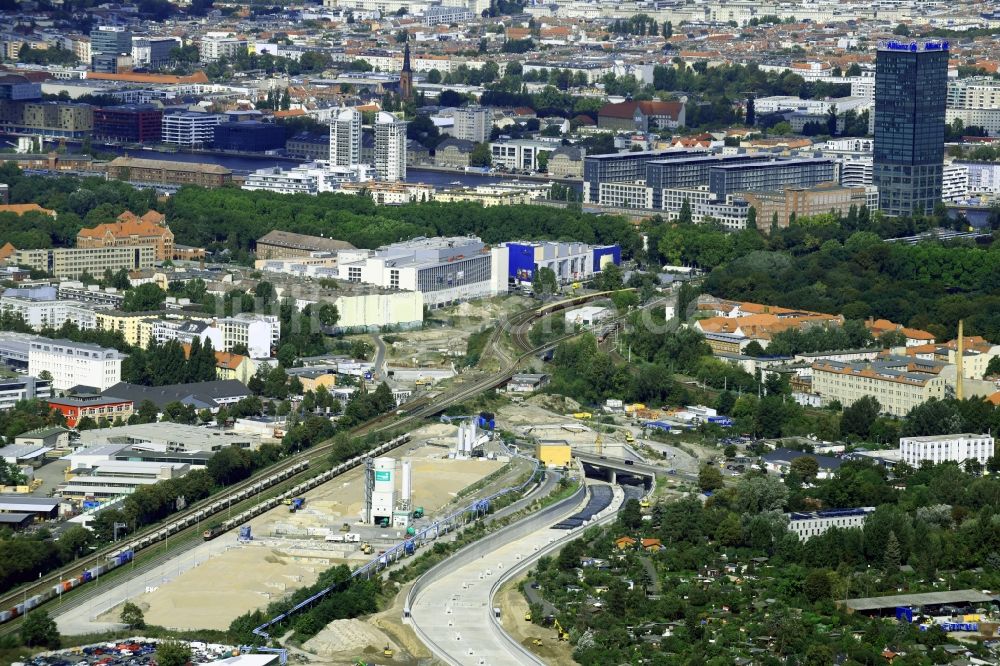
point(464, 585)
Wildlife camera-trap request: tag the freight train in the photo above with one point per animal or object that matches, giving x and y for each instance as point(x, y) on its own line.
point(127, 553)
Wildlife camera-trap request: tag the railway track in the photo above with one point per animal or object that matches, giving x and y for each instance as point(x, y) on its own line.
point(247, 494)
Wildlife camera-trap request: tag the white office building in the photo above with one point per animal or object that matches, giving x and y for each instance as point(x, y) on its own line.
point(40, 308)
point(75, 363)
point(311, 178)
point(444, 270)
point(345, 138)
point(189, 128)
point(855, 172)
point(807, 525)
point(945, 448)
point(258, 333)
point(185, 331)
point(519, 154)
point(390, 147)
point(13, 391)
point(473, 123)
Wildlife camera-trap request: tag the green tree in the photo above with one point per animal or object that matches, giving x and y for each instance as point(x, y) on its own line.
point(684, 217)
point(172, 653)
point(145, 297)
point(39, 630)
point(817, 585)
point(481, 156)
point(805, 467)
point(148, 412)
point(709, 477)
point(858, 418)
point(891, 556)
point(631, 515)
point(132, 616)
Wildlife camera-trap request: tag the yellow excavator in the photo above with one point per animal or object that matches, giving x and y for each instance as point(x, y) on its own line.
point(387, 652)
point(527, 616)
point(563, 634)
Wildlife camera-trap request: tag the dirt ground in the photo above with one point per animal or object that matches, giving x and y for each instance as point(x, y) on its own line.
point(289, 552)
point(446, 338)
point(550, 418)
point(513, 606)
point(345, 641)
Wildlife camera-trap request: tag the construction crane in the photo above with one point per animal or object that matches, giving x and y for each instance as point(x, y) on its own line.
point(599, 444)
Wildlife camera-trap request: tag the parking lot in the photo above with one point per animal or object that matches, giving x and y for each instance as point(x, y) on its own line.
point(131, 652)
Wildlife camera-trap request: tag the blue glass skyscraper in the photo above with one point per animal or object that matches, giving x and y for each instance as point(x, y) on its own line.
point(911, 86)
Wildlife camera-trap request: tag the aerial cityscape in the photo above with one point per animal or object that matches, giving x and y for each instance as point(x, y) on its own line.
point(499, 333)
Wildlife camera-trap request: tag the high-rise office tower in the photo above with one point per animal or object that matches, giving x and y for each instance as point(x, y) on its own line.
point(911, 87)
point(390, 147)
point(345, 138)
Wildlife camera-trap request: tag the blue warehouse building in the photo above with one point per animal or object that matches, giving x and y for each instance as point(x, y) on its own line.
point(249, 136)
point(570, 262)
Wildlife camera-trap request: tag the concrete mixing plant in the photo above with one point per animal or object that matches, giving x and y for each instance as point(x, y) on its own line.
point(383, 498)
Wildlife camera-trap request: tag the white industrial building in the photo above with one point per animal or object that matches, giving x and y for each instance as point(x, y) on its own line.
point(587, 315)
point(75, 363)
point(345, 138)
point(946, 448)
point(404, 309)
point(444, 270)
point(383, 490)
point(807, 525)
point(390, 147)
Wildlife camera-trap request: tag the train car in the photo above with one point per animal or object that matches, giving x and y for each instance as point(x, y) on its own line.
point(32, 602)
point(212, 532)
point(5, 615)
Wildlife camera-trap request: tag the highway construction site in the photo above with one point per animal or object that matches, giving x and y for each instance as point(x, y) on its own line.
point(289, 549)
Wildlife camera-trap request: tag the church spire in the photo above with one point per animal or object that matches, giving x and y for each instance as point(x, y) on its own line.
point(406, 57)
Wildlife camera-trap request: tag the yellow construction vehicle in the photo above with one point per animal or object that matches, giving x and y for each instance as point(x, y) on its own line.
point(367, 549)
point(583, 415)
point(537, 642)
point(527, 616)
point(387, 652)
point(563, 634)
point(629, 437)
point(345, 528)
point(644, 503)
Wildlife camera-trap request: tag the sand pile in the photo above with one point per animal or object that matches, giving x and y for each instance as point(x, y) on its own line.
point(347, 636)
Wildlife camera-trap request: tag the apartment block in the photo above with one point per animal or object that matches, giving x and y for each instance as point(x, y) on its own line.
point(899, 383)
point(259, 334)
point(40, 307)
point(473, 123)
point(801, 202)
point(806, 525)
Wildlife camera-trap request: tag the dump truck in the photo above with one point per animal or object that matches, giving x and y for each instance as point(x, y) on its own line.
point(418, 512)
